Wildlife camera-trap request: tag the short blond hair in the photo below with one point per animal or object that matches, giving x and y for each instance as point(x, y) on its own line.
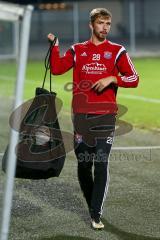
point(99, 12)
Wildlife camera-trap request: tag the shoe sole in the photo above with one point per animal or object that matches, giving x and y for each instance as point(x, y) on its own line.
point(97, 229)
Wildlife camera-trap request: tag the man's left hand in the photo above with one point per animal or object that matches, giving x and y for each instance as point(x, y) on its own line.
point(103, 83)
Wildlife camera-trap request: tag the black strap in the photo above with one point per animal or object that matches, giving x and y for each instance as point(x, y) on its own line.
point(47, 63)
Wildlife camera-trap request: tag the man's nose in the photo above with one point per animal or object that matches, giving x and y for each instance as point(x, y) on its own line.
point(104, 27)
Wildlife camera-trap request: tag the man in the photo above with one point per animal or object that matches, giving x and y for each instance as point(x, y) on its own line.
point(99, 68)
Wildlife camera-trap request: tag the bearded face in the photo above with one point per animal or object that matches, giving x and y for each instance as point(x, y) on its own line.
point(101, 27)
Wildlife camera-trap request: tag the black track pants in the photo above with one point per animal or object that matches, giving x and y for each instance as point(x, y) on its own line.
point(94, 186)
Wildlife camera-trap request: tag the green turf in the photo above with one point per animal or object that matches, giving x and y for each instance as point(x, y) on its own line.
point(140, 113)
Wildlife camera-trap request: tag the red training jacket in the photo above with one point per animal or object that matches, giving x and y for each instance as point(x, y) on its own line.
point(91, 63)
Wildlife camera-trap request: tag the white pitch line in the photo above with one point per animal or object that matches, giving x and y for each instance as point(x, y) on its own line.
point(121, 95)
point(136, 148)
point(140, 98)
point(126, 148)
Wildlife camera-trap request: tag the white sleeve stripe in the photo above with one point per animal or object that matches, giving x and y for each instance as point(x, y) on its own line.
point(131, 65)
point(129, 79)
point(119, 52)
point(75, 53)
point(134, 80)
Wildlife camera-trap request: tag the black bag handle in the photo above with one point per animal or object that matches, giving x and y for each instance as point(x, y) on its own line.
point(47, 63)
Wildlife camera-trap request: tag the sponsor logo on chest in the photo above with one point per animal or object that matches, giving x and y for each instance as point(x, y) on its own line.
point(94, 68)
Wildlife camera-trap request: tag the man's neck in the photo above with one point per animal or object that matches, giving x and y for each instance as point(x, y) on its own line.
point(96, 41)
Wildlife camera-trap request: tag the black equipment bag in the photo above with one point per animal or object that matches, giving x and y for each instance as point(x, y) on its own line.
point(40, 151)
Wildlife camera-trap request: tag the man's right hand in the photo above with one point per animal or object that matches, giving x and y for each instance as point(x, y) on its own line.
point(51, 37)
